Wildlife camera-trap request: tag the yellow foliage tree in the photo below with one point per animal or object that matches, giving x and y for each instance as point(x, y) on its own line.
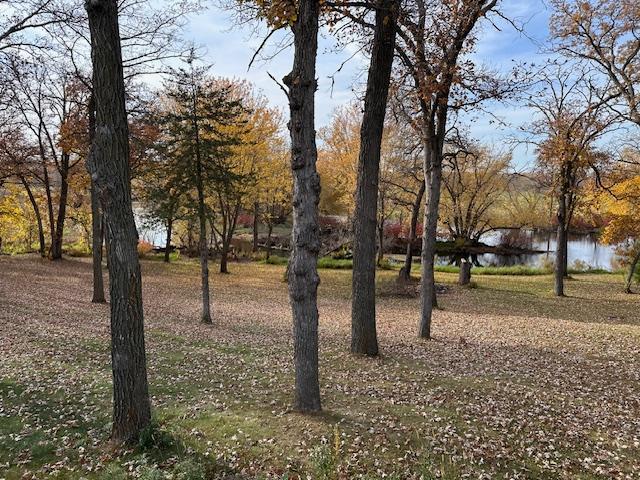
point(621, 205)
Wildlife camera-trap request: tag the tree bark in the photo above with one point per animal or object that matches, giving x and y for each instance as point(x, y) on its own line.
point(167, 246)
point(305, 239)
point(36, 211)
point(363, 305)
point(97, 237)
point(464, 277)
point(97, 232)
point(109, 166)
point(224, 257)
point(56, 245)
point(269, 233)
point(561, 246)
point(405, 271)
point(433, 182)
point(203, 247)
point(256, 212)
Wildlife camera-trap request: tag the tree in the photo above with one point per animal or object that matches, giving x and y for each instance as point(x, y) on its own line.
point(570, 119)
point(433, 37)
point(49, 104)
point(258, 134)
point(196, 131)
point(305, 241)
point(338, 160)
point(151, 37)
point(620, 204)
point(605, 35)
point(21, 17)
point(109, 166)
point(17, 158)
point(363, 305)
point(162, 193)
point(475, 182)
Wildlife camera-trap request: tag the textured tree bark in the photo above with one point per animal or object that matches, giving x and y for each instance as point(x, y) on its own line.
point(97, 232)
point(405, 271)
point(96, 247)
point(56, 244)
point(561, 249)
point(202, 218)
point(36, 211)
point(109, 166)
point(305, 239)
point(203, 248)
point(167, 246)
point(363, 305)
point(433, 182)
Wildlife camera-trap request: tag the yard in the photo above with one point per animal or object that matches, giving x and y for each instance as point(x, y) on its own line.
point(515, 384)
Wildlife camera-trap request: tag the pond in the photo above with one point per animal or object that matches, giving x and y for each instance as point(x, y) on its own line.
point(585, 248)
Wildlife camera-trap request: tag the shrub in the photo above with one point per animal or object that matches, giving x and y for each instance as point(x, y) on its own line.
point(144, 248)
point(77, 249)
point(245, 220)
point(275, 260)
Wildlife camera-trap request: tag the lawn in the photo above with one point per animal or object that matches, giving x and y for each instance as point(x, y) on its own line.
point(515, 383)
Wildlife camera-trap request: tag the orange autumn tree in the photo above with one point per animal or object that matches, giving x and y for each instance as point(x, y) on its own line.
point(621, 205)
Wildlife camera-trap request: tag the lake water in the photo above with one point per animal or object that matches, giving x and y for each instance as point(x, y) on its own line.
point(584, 248)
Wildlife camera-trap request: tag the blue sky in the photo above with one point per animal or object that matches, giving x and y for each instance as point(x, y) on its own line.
point(230, 47)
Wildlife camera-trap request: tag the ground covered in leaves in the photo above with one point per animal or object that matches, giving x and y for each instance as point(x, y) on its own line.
point(515, 383)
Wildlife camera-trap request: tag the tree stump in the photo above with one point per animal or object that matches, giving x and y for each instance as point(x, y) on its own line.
point(465, 273)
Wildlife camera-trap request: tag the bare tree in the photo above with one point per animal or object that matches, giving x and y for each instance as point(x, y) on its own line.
point(606, 35)
point(433, 37)
point(571, 118)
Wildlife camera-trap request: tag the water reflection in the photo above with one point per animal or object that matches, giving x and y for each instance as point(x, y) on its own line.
point(583, 248)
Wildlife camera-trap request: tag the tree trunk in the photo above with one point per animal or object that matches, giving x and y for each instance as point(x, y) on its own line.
point(97, 232)
point(561, 247)
point(269, 233)
point(36, 211)
point(363, 305)
point(167, 246)
point(47, 190)
point(109, 166)
point(97, 237)
point(305, 239)
point(56, 245)
point(255, 226)
point(204, 248)
point(405, 271)
point(433, 181)
point(632, 269)
point(464, 277)
point(224, 255)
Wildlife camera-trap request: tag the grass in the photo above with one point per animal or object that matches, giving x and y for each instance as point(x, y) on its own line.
point(517, 270)
point(515, 384)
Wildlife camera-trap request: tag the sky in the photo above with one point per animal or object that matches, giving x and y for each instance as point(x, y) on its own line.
point(229, 48)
